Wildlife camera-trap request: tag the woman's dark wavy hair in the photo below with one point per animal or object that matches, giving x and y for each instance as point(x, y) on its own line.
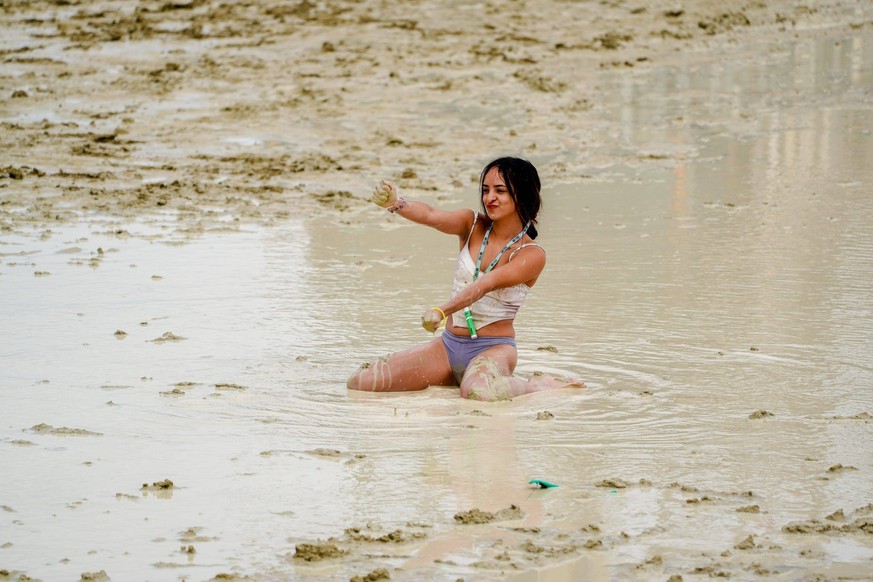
point(523, 184)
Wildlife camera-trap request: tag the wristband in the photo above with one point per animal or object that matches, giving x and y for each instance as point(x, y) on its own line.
point(443, 313)
point(398, 205)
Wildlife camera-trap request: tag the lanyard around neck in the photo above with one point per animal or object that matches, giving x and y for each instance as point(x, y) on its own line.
point(500, 254)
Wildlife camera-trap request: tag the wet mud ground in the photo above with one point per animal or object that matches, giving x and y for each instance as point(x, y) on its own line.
point(189, 270)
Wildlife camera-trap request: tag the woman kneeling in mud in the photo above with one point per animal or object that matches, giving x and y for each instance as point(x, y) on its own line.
point(497, 265)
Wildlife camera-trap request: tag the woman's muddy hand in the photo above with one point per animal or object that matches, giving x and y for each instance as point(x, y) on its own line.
point(384, 194)
point(431, 320)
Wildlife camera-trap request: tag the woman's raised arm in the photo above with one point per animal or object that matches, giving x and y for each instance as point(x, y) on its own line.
point(457, 222)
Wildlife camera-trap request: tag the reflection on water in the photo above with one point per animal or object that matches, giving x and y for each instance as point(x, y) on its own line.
point(718, 265)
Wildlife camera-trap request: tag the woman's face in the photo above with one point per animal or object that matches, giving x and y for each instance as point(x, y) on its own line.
point(495, 196)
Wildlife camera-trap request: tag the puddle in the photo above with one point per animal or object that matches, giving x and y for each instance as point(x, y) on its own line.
point(711, 261)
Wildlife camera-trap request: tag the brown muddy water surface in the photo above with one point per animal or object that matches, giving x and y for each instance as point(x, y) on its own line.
point(173, 375)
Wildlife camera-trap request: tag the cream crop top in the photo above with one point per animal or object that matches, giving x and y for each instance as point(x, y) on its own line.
point(495, 306)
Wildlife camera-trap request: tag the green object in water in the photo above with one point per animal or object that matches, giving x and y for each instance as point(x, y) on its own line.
point(541, 483)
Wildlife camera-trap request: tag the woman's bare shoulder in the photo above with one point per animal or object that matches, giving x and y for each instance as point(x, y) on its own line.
point(529, 246)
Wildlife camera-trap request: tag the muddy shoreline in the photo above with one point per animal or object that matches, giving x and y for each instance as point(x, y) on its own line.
point(204, 116)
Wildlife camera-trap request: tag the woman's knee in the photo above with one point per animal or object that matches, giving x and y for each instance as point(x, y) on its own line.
point(355, 381)
point(485, 387)
point(484, 380)
point(468, 389)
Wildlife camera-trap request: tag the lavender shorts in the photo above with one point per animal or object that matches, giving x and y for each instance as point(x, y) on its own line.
point(462, 350)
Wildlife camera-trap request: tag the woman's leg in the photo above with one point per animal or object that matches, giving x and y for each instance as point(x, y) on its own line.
point(489, 377)
point(412, 369)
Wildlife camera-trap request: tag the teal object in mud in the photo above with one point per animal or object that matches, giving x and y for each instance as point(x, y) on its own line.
point(541, 483)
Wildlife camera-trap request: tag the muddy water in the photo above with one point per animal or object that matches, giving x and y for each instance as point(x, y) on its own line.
point(708, 277)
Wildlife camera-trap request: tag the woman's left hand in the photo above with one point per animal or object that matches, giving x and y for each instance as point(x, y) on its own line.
point(432, 320)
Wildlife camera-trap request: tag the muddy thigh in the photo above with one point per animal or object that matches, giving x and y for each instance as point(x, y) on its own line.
point(489, 375)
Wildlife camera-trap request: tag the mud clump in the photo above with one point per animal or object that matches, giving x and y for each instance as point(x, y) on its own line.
point(545, 415)
point(724, 22)
point(540, 83)
point(374, 576)
point(18, 173)
point(192, 534)
point(477, 516)
point(611, 40)
point(865, 416)
point(341, 200)
point(613, 483)
point(397, 536)
point(100, 576)
point(474, 515)
point(168, 337)
point(478, 412)
point(532, 548)
point(325, 452)
point(839, 468)
point(63, 430)
point(814, 526)
point(656, 560)
point(229, 386)
point(164, 485)
point(760, 414)
point(173, 392)
point(224, 577)
point(317, 552)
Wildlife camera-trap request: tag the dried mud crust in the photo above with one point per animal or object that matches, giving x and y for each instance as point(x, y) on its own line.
point(193, 112)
